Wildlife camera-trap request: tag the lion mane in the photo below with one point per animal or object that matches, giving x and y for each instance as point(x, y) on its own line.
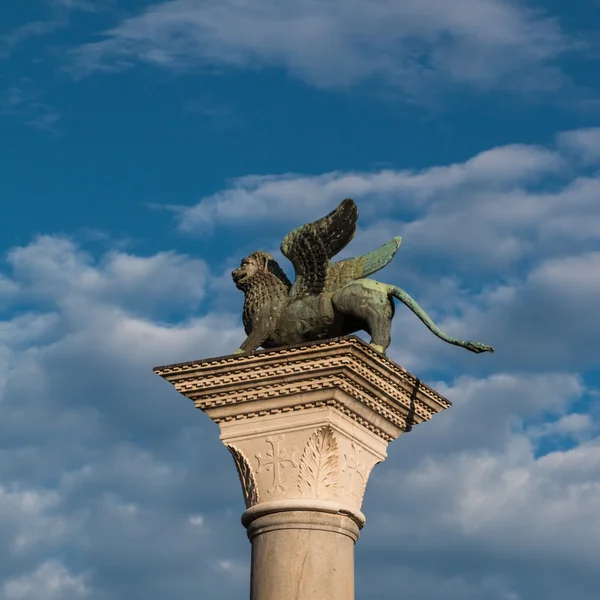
point(268, 286)
point(269, 265)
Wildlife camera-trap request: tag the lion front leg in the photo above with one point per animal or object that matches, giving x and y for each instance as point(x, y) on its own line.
point(259, 335)
point(251, 343)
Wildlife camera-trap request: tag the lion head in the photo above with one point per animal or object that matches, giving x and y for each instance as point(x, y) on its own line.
point(259, 266)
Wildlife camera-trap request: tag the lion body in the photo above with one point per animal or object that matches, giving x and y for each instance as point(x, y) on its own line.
point(273, 319)
point(354, 307)
point(273, 316)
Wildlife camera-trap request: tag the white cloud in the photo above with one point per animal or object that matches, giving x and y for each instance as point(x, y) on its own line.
point(576, 426)
point(133, 470)
point(101, 322)
point(7, 287)
point(9, 41)
point(232, 568)
point(495, 498)
point(500, 207)
point(55, 268)
point(573, 277)
point(30, 520)
point(467, 492)
point(288, 197)
point(511, 503)
point(488, 411)
point(418, 581)
point(549, 318)
point(27, 328)
point(86, 5)
point(583, 142)
point(411, 44)
point(80, 408)
point(24, 101)
point(50, 581)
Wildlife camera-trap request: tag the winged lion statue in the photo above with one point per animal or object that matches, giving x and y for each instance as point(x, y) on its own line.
point(327, 299)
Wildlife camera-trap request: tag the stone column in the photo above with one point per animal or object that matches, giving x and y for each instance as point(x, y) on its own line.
point(305, 425)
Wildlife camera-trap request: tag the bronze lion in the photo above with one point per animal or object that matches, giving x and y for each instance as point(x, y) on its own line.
point(327, 299)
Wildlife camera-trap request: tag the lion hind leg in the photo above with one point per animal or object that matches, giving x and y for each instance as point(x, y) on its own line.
point(371, 306)
point(381, 334)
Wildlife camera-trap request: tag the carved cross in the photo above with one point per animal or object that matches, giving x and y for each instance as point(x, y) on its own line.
point(353, 467)
point(276, 460)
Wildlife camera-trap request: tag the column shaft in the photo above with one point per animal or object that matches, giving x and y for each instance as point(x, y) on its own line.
point(302, 555)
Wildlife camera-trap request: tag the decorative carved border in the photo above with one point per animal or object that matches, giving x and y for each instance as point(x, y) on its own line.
point(200, 386)
point(318, 404)
point(348, 364)
point(276, 390)
point(256, 359)
point(249, 487)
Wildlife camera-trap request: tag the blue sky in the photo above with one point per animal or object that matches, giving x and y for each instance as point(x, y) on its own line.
point(146, 146)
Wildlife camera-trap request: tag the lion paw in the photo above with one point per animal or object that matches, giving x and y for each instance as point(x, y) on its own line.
point(378, 347)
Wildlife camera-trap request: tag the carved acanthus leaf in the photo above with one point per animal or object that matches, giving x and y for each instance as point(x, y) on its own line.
point(363, 483)
point(247, 479)
point(319, 466)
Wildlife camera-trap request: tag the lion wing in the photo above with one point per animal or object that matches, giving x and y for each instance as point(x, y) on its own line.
point(345, 271)
point(311, 247)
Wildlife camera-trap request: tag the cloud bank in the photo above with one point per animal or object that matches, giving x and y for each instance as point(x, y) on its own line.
point(104, 469)
point(413, 45)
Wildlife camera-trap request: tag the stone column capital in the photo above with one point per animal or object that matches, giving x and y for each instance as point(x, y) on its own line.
point(308, 421)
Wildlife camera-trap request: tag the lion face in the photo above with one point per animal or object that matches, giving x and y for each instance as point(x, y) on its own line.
point(248, 268)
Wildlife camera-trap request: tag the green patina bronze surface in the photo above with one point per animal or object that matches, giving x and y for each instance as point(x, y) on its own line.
point(326, 299)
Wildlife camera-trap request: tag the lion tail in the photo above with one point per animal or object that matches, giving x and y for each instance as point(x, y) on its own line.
point(412, 304)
